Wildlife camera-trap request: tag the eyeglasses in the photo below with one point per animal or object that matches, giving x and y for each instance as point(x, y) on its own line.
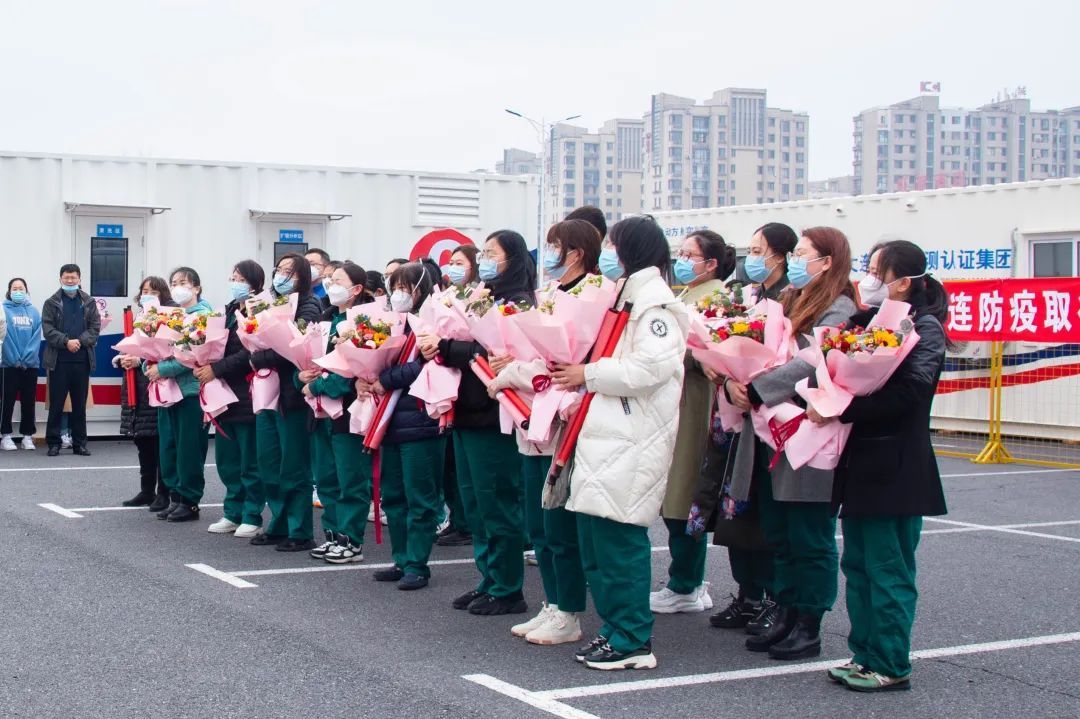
point(283, 271)
point(792, 256)
point(485, 255)
point(688, 256)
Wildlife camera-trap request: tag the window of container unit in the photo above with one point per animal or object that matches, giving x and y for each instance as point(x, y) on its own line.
point(108, 266)
point(1054, 258)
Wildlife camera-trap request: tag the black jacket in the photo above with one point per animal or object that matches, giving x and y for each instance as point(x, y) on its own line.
point(309, 309)
point(52, 322)
point(474, 409)
point(234, 367)
point(410, 421)
point(888, 467)
point(139, 420)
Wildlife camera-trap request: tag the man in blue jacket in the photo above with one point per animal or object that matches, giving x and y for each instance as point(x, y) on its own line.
point(70, 324)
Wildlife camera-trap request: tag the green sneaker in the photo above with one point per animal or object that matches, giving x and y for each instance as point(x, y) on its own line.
point(868, 681)
point(842, 672)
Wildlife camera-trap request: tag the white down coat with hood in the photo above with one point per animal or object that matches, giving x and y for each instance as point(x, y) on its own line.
point(624, 450)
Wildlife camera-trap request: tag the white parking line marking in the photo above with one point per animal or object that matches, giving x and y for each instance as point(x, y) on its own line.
point(1006, 474)
point(223, 576)
point(78, 468)
point(773, 671)
point(551, 706)
point(337, 568)
point(1006, 529)
point(60, 510)
point(122, 509)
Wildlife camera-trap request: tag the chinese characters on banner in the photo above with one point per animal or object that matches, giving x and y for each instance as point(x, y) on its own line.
point(1034, 310)
point(953, 261)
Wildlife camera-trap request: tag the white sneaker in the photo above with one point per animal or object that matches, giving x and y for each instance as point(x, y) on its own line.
point(521, 630)
point(65, 441)
point(247, 531)
point(530, 559)
point(371, 515)
point(560, 628)
point(703, 592)
point(223, 526)
point(344, 554)
point(666, 601)
point(315, 501)
point(28, 443)
point(7, 443)
point(443, 525)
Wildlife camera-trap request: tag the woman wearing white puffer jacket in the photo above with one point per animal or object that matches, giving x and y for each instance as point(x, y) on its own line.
point(624, 451)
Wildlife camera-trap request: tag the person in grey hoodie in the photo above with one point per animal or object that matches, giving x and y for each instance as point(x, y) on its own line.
point(20, 362)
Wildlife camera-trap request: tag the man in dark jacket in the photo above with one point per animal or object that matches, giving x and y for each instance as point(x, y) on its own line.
point(70, 324)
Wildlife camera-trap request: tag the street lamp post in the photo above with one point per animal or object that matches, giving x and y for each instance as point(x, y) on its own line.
point(542, 134)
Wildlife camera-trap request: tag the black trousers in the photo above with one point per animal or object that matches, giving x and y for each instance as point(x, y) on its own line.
point(149, 466)
point(68, 378)
point(19, 384)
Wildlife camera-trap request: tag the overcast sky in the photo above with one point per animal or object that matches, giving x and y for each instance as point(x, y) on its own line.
point(416, 84)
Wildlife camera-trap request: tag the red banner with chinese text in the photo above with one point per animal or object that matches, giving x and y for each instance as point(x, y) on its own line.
point(1045, 309)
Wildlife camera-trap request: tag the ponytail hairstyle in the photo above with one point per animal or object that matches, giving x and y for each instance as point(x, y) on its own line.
point(804, 307)
point(415, 277)
point(713, 247)
point(905, 259)
point(640, 243)
point(780, 238)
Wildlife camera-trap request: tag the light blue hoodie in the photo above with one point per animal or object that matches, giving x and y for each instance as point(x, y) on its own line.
point(22, 346)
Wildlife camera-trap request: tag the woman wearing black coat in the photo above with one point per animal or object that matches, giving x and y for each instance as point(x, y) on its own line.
point(888, 480)
point(488, 465)
point(234, 442)
point(139, 421)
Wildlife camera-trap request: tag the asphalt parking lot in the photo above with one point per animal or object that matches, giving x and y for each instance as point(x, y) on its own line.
point(109, 612)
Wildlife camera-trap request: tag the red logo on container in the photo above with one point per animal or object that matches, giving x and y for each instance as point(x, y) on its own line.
point(439, 245)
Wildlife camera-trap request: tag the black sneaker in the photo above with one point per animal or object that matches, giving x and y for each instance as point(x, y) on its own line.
point(80, 451)
point(264, 540)
point(412, 581)
point(54, 450)
point(142, 499)
point(320, 551)
point(466, 599)
point(169, 509)
point(785, 620)
point(159, 504)
point(389, 574)
point(736, 615)
point(607, 659)
point(454, 538)
point(489, 606)
point(295, 545)
point(767, 616)
point(598, 641)
point(184, 513)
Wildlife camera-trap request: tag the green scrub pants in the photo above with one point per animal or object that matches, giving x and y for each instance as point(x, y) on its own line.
point(238, 469)
point(617, 559)
point(284, 452)
point(324, 473)
point(554, 536)
point(183, 441)
point(411, 476)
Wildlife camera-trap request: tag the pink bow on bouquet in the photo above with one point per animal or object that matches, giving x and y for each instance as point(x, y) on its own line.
point(163, 392)
point(740, 357)
point(562, 329)
point(437, 385)
point(842, 375)
point(351, 359)
point(214, 396)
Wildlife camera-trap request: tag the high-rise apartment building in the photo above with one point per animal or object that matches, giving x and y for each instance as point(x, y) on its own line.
point(730, 150)
point(601, 168)
point(918, 145)
point(518, 162)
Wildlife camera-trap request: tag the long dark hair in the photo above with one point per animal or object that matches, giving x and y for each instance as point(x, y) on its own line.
point(159, 285)
point(434, 272)
point(416, 278)
point(906, 259)
point(640, 243)
point(301, 272)
point(253, 274)
point(713, 247)
point(520, 273)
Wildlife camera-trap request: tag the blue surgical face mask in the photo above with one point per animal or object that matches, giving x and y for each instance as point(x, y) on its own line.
point(552, 268)
point(798, 274)
point(18, 297)
point(70, 289)
point(609, 264)
point(488, 269)
point(283, 285)
point(149, 301)
point(684, 270)
point(756, 269)
point(239, 290)
point(456, 274)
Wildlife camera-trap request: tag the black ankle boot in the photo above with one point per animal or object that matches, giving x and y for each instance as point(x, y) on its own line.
point(802, 642)
point(160, 503)
point(778, 631)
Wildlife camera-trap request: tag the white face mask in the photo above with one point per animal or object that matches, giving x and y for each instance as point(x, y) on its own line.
point(401, 301)
point(872, 291)
point(338, 295)
point(182, 294)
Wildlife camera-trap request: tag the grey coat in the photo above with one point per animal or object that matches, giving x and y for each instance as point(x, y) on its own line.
point(774, 387)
